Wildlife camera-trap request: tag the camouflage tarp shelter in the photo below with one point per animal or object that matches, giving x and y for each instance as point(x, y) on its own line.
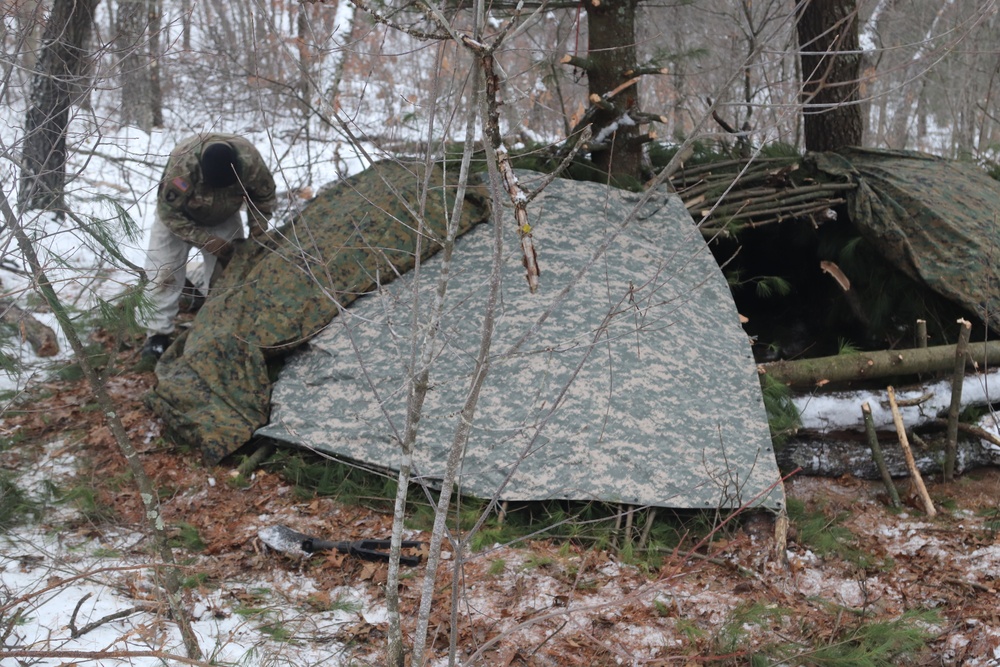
point(916, 236)
point(213, 384)
point(936, 220)
point(626, 379)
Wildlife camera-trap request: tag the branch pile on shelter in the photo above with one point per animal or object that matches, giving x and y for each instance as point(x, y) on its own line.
point(837, 262)
point(850, 249)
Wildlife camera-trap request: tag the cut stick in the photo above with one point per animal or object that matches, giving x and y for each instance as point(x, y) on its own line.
point(890, 487)
point(918, 481)
point(922, 333)
point(957, 380)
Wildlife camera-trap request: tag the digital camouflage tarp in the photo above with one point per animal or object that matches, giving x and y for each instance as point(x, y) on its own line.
point(628, 379)
point(213, 387)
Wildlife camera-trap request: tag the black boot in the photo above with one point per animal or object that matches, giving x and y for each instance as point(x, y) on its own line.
point(155, 346)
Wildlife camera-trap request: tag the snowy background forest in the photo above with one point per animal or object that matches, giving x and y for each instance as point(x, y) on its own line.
point(325, 88)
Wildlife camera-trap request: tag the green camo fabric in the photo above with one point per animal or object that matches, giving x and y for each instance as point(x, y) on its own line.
point(635, 385)
point(213, 388)
point(934, 219)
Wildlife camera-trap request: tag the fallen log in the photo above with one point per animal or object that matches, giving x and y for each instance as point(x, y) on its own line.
point(919, 404)
point(826, 456)
point(871, 365)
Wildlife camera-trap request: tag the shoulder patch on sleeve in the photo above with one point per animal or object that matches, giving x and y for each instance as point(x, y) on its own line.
point(175, 189)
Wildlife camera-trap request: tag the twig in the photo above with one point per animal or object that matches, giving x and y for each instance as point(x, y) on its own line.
point(113, 420)
point(918, 481)
point(254, 461)
point(75, 632)
point(585, 135)
point(982, 434)
point(866, 412)
point(970, 584)
point(102, 655)
point(722, 562)
point(957, 380)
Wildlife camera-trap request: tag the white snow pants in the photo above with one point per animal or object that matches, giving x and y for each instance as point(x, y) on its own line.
point(166, 266)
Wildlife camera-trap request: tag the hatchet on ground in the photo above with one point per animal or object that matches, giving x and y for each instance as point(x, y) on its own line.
point(291, 542)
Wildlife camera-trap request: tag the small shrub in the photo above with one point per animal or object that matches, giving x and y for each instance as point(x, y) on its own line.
point(15, 505)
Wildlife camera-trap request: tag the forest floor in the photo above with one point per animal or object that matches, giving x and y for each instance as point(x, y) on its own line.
point(895, 587)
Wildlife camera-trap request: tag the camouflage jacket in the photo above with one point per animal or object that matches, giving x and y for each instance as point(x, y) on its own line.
point(186, 205)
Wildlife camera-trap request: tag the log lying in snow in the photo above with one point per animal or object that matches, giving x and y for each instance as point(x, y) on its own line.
point(827, 445)
point(824, 456)
point(870, 365)
point(841, 411)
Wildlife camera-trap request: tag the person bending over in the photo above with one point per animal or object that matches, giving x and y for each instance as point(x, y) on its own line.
point(207, 180)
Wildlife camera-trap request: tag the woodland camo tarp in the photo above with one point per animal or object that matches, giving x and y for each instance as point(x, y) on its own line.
point(936, 220)
point(213, 387)
point(628, 379)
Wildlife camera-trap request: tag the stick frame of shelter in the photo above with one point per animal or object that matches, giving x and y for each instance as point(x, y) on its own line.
point(918, 480)
point(957, 380)
point(866, 412)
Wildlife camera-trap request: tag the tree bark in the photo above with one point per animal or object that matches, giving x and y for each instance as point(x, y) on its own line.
point(57, 85)
point(831, 73)
point(22, 34)
point(134, 60)
point(153, 27)
point(611, 54)
point(825, 456)
point(869, 365)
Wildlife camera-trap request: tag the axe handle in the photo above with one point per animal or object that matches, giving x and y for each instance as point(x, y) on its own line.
point(365, 549)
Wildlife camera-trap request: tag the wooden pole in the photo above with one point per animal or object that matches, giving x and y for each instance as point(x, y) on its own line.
point(890, 487)
point(871, 365)
point(957, 379)
point(650, 516)
point(628, 525)
point(918, 481)
point(921, 333)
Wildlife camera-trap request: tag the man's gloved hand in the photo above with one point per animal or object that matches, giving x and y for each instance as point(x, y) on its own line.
point(219, 247)
point(258, 231)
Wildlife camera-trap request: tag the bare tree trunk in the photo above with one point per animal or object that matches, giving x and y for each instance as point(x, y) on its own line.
point(611, 54)
point(831, 71)
point(186, 10)
point(306, 56)
point(56, 86)
point(134, 59)
point(27, 26)
point(155, 52)
point(899, 133)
